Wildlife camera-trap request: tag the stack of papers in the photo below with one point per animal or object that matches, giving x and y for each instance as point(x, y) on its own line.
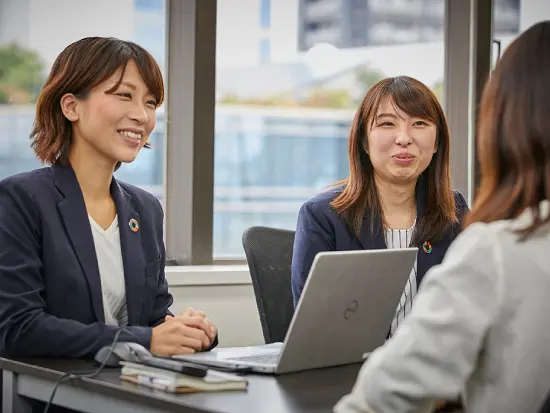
point(173, 382)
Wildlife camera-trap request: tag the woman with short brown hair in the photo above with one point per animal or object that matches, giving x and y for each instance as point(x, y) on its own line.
point(81, 253)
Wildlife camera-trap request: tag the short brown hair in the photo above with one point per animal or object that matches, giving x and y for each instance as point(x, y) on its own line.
point(79, 68)
point(513, 137)
point(360, 195)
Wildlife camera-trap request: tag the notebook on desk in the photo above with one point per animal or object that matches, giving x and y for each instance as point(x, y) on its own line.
point(173, 382)
point(345, 312)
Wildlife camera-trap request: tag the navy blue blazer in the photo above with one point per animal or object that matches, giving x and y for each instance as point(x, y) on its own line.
point(50, 290)
point(319, 228)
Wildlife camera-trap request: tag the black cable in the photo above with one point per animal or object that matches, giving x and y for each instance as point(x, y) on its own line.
point(84, 374)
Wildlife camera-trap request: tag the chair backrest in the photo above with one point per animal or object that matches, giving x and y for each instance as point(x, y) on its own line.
point(269, 255)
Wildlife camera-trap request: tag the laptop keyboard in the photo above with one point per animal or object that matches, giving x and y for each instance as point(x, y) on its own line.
point(260, 358)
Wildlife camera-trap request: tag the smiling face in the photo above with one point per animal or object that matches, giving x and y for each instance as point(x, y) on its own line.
point(113, 124)
point(400, 146)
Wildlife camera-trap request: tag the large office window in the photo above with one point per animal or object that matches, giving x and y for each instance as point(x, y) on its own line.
point(33, 33)
point(282, 109)
point(281, 128)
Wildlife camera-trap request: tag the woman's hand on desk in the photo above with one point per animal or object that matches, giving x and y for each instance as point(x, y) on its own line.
point(190, 312)
point(181, 335)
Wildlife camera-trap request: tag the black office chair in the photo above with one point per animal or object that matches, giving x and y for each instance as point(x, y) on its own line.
point(269, 255)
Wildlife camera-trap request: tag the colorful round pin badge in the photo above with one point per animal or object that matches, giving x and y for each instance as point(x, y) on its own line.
point(134, 226)
point(427, 247)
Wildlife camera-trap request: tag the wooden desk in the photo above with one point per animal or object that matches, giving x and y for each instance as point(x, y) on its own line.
point(315, 391)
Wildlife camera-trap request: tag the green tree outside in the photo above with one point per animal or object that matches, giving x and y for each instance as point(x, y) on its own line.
point(20, 75)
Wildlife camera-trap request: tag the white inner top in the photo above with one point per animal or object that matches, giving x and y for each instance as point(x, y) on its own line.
point(111, 272)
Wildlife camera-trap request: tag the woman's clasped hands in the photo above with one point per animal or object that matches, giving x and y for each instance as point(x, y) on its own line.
point(187, 333)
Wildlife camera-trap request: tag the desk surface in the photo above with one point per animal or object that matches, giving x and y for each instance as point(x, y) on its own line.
point(312, 391)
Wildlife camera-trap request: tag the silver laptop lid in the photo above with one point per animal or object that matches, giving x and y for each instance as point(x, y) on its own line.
point(346, 307)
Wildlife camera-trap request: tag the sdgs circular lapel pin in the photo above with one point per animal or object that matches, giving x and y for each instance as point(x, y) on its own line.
point(427, 247)
point(134, 225)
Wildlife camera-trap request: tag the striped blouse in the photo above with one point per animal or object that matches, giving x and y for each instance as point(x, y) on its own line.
point(396, 238)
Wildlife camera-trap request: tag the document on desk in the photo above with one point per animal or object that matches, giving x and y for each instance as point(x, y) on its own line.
point(173, 382)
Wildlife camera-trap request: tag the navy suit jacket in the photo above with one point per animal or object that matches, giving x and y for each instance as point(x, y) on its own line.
point(50, 290)
point(319, 228)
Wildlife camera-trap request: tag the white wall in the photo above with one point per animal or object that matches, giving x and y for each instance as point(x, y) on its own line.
point(227, 297)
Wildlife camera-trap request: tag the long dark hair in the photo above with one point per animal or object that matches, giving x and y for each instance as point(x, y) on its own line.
point(360, 195)
point(513, 137)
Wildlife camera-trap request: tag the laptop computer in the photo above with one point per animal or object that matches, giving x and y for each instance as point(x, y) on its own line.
point(344, 313)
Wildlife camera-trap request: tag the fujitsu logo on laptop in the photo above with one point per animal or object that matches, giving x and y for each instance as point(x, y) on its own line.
point(351, 308)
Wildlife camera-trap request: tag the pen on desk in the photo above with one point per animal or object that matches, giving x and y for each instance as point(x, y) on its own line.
point(181, 367)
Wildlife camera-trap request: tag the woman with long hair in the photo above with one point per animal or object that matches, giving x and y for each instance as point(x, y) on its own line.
point(398, 193)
